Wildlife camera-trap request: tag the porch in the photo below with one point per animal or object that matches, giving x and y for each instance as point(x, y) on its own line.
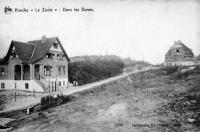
point(25, 72)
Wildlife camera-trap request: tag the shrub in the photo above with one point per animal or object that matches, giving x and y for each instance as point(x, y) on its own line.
point(89, 71)
point(58, 101)
point(67, 99)
point(184, 75)
point(49, 101)
point(169, 70)
point(44, 103)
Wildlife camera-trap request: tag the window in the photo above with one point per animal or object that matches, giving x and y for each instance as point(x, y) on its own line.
point(63, 70)
point(59, 83)
point(17, 72)
point(2, 85)
point(26, 72)
point(63, 83)
point(47, 70)
point(50, 56)
point(55, 45)
point(53, 86)
point(2, 72)
point(59, 56)
point(177, 51)
point(13, 54)
point(26, 86)
point(59, 70)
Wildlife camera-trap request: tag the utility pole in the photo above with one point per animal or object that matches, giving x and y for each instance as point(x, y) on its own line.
point(143, 58)
point(56, 84)
point(15, 91)
point(49, 82)
point(106, 52)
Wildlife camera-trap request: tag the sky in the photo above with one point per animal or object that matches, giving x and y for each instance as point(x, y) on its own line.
point(139, 29)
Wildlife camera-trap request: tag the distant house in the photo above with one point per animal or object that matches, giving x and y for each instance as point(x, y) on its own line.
point(39, 65)
point(179, 55)
point(197, 60)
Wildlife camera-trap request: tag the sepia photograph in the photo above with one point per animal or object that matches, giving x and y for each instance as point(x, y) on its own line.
point(100, 66)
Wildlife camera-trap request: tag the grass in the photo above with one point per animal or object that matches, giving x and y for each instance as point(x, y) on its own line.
point(155, 100)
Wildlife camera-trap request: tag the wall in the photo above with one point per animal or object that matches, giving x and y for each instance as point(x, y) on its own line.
point(183, 63)
point(20, 85)
point(5, 76)
point(55, 63)
point(9, 69)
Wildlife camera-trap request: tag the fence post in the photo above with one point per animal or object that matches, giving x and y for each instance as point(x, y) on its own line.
point(28, 111)
point(33, 92)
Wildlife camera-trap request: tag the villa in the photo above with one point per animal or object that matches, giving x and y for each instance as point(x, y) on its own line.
point(38, 65)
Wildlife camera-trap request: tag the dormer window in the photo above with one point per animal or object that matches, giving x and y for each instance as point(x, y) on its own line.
point(55, 45)
point(50, 56)
point(13, 54)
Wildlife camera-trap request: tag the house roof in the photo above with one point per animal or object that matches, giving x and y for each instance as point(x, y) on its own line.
point(2, 62)
point(24, 50)
point(197, 58)
point(32, 51)
point(179, 44)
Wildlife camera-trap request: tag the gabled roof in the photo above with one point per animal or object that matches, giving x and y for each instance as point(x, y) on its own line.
point(24, 50)
point(169, 52)
point(179, 44)
point(32, 51)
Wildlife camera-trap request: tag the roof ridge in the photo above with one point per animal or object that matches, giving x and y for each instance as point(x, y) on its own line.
point(186, 46)
point(23, 42)
point(41, 39)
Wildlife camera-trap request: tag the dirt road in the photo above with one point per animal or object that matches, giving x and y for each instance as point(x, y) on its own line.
point(71, 90)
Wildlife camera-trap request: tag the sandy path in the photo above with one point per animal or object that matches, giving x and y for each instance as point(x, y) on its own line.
point(71, 90)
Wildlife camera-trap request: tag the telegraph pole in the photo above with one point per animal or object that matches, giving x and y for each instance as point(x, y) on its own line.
point(15, 91)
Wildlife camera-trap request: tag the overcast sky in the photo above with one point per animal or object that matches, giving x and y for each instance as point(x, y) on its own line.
point(140, 29)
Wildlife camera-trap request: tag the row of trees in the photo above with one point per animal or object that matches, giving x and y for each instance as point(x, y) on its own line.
point(88, 71)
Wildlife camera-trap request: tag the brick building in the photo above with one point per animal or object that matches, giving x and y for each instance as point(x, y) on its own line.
point(39, 65)
point(179, 55)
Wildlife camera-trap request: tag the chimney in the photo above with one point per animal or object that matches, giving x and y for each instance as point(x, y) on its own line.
point(174, 42)
point(43, 39)
point(179, 41)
